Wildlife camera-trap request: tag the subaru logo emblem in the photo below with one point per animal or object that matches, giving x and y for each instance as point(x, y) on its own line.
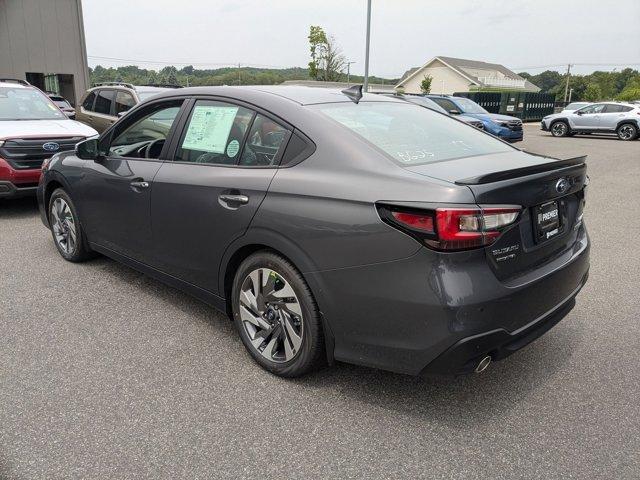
point(51, 146)
point(562, 185)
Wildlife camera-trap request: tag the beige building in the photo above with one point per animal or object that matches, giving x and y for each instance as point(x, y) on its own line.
point(42, 42)
point(450, 75)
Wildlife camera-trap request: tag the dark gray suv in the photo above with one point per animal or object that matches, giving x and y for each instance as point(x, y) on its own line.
point(331, 226)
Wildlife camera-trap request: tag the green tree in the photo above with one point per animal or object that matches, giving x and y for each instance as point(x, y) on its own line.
point(425, 84)
point(631, 90)
point(593, 93)
point(317, 45)
point(327, 60)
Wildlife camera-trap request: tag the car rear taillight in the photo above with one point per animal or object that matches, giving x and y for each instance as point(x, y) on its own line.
point(452, 228)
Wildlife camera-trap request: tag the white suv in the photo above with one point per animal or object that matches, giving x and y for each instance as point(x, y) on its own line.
point(32, 129)
point(623, 119)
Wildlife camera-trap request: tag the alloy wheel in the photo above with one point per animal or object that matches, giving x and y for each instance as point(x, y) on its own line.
point(64, 226)
point(271, 315)
point(626, 132)
point(559, 129)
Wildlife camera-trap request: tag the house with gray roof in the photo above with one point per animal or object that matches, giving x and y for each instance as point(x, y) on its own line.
point(450, 75)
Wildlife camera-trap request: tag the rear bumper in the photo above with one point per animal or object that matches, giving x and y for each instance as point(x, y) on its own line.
point(464, 356)
point(437, 313)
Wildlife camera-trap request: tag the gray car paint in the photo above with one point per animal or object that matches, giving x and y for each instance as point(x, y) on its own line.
point(386, 300)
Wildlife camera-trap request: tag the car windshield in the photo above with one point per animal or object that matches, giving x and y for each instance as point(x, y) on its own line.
point(575, 106)
point(469, 106)
point(27, 104)
point(412, 135)
point(144, 94)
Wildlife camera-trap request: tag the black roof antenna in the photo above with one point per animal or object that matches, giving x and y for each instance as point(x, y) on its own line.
point(354, 93)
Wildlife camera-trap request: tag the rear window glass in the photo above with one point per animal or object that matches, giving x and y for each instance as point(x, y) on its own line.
point(412, 135)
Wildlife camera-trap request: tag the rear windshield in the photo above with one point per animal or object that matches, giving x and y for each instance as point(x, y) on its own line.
point(27, 104)
point(410, 134)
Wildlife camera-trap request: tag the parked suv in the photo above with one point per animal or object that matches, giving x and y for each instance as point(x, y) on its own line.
point(502, 126)
point(32, 129)
point(623, 119)
point(103, 104)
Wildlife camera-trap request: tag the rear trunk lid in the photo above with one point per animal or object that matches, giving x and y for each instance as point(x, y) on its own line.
point(550, 192)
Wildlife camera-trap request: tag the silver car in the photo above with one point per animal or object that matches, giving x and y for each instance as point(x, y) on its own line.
point(623, 119)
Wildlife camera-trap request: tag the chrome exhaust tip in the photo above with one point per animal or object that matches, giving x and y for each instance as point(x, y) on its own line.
point(483, 364)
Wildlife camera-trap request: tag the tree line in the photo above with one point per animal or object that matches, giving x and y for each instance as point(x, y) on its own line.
point(190, 76)
point(623, 85)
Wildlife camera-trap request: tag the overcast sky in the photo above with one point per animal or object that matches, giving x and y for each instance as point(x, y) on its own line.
point(404, 33)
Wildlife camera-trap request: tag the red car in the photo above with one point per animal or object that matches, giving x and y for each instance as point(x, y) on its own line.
point(32, 129)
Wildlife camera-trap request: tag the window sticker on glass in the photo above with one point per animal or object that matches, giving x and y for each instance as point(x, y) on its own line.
point(233, 148)
point(209, 128)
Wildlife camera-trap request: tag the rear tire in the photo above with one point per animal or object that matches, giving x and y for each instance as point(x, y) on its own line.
point(627, 131)
point(559, 128)
point(276, 316)
point(68, 234)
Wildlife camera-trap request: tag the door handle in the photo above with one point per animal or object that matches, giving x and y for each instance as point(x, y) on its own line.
point(235, 199)
point(140, 184)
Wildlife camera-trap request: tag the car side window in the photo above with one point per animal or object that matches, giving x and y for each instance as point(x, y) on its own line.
point(265, 141)
point(103, 102)
point(145, 137)
point(88, 102)
point(592, 109)
point(124, 102)
point(214, 134)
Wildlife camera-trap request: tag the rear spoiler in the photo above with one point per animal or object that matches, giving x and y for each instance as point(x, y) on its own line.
point(521, 172)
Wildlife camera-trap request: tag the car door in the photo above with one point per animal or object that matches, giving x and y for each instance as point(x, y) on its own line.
point(587, 118)
point(611, 115)
point(224, 161)
point(116, 189)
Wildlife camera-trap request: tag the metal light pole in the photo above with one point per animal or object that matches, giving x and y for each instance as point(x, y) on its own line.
point(566, 86)
point(366, 55)
point(349, 73)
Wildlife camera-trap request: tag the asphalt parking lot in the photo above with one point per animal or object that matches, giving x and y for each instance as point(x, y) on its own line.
point(105, 373)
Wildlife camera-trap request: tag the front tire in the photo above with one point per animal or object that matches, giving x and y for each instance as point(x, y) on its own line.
point(559, 129)
point(276, 315)
point(68, 235)
point(627, 131)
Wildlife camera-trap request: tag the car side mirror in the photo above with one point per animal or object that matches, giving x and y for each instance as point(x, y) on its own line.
point(454, 112)
point(70, 113)
point(579, 113)
point(88, 149)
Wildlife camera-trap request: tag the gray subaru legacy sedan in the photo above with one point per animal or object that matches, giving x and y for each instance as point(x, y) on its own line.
point(331, 225)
